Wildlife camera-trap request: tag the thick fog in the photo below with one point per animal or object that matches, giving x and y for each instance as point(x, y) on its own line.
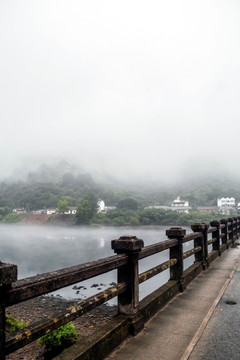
point(132, 88)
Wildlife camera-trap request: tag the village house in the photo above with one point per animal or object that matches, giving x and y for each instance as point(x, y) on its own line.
point(102, 208)
point(180, 205)
point(226, 205)
point(72, 210)
point(51, 211)
point(226, 202)
point(177, 205)
point(19, 211)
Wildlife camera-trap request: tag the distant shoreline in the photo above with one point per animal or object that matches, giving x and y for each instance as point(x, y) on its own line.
point(68, 221)
point(45, 219)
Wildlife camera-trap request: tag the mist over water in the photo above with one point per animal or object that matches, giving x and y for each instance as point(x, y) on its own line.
point(39, 249)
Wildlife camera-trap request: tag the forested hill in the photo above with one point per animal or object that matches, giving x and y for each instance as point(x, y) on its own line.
point(45, 187)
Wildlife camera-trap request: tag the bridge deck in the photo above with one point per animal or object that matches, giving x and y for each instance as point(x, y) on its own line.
point(193, 325)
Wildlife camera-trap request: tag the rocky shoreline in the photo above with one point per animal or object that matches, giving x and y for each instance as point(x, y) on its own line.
point(41, 307)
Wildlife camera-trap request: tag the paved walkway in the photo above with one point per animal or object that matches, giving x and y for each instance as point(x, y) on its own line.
point(197, 324)
point(221, 337)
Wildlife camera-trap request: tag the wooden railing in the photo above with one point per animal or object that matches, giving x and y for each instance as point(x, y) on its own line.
point(129, 251)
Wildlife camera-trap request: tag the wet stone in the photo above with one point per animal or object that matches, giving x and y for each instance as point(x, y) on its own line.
point(94, 285)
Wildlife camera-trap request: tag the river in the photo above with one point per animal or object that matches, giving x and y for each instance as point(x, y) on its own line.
point(39, 249)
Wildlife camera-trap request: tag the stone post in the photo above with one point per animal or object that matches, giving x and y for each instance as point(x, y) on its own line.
point(235, 230)
point(216, 234)
point(225, 232)
point(176, 271)
point(128, 302)
point(238, 226)
point(230, 228)
point(8, 275)
point(203, 228)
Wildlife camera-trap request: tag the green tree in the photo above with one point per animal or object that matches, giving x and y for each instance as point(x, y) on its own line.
point(127, 203)
point(84, 212)
point(63, 206)
point(133, 220)
point(11, 218)
point(92, 199)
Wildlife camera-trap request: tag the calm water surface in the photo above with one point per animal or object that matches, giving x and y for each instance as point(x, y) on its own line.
point(39, 249)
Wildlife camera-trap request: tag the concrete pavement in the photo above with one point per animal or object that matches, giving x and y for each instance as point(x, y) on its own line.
point(221, 337)
point(187, 327)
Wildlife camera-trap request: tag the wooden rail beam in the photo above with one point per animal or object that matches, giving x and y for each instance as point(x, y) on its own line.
point(41, 284)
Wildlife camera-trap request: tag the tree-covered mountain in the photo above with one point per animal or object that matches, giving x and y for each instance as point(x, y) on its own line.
point(46, 186)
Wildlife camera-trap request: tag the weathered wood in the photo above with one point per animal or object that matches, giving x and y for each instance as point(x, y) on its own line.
point(36, 330)
point(127, 243)
point(156, 270)
point(191, 236)
point(211, 241)
point(191, 252)
point(238, 226)
point(42, 284)
point(230, 228)
point(198, 243)
point(129, 250)
point(176, 252)
point(8, 274)
point(2, 328)
point(216, 236)
point(158, 247)
point(203, 228)
point(224, 231)
point(128, 302)
point(211, 229)
point(235, 228)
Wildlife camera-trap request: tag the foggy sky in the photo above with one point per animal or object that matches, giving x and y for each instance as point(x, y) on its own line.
point(133, 88)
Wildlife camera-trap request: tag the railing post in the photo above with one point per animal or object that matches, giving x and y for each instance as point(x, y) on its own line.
point(235, 231)
point(203, 228)
point(225, 232)
point(176, 271)
point(238, 226)
point(8, 275)
point(130, 245)
point(216, 234)
point(230, 228)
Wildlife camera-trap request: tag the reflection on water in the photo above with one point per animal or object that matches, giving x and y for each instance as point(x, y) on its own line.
point(39, 249)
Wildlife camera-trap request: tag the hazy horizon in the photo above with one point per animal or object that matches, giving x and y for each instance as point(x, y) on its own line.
point(135, 90)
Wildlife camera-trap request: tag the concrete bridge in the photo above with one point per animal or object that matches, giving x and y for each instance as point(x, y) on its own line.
point(192, 316)
point(202, 323)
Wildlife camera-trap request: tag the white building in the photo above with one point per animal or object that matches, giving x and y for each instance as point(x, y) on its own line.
point(226, 202)
point(227, 205)
point(19, 211)
point(179, 202)
point(101, 206)
point(51, 211)
point(180, 205)
point(177, 205)
point(72, 210)
point(238, 208)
